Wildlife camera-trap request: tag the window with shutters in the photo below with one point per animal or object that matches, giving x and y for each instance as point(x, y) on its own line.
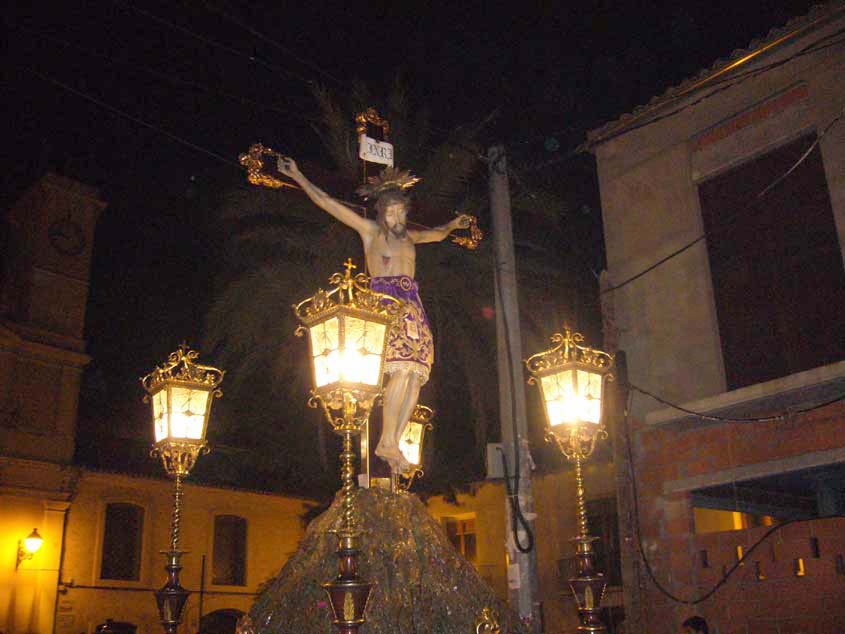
point(229, 557)
point(122, 539)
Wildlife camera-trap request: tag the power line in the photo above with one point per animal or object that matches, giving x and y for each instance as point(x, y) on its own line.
point(777, 181)
point(728, 419)
point(648, 269)
point(723, 84)
point(804, 156)
point(272, 42)
point(729, 82)
point(133, 118)
point(163, 76)
point(214, 43)
point(641, 549)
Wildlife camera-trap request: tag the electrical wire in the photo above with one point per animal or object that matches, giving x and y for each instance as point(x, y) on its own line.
point(729, 82)
point(647, 564)
point(160, 130)
point(219, 11)
point(126, 115)
point(723, 84)
point(804, 156)
point(653, 266)
point(757, 198)
point(154, 73)
point(207, 40)
point(761, 419)
point(512, 490)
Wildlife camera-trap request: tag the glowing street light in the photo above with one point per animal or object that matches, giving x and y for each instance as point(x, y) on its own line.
point(347, 331)
point(31, 544)
point(181, 393)
point(571, 378)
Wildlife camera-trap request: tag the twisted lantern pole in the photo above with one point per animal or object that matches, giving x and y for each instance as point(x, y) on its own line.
point(181, 392)
point(347, 332)
point(571, 378)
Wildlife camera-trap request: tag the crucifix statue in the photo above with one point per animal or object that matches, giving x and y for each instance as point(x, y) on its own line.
point(390, 253)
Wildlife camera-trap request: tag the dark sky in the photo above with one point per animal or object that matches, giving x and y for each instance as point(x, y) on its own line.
point(99, 90)
point(221, 74)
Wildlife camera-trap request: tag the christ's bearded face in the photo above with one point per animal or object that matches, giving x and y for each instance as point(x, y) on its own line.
point(392, 211)
point(395, 219)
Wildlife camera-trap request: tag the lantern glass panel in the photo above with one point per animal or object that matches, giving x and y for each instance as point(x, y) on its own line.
point(589, 396)
point(362, 347)
point(559, 397)
point(160, 414)
point(411, 442)
point(187, 416)
point(327, 368)
point(325, 343)
point(572, 396)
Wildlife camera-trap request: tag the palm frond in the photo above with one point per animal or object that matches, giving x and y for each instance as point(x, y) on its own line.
point(336, 131)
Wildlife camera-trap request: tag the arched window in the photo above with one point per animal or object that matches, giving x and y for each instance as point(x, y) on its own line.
point(122, 536)
point(229, 557)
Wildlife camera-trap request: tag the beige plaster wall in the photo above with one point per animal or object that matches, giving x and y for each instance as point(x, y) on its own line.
point(648, 179)
point(274, 529)
point(28, 593)
point(555, 524)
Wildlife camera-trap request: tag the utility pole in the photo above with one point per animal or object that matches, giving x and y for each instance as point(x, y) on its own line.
point(522, 566)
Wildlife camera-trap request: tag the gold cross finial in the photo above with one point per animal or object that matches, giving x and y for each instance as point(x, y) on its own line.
point(349, 266)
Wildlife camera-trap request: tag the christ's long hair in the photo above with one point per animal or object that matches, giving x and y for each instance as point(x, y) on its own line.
point(384, 201)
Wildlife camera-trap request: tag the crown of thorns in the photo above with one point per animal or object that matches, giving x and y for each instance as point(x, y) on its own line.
point(390, 178)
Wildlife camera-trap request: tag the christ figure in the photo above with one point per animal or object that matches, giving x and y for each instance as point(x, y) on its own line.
point(390, 252)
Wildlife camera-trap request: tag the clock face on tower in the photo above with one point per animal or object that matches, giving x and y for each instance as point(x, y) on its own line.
point(66, 236)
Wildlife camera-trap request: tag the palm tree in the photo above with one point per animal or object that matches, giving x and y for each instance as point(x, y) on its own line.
point(278, 248)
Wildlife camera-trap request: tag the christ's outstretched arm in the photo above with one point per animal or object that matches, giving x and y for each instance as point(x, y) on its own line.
point(347, 216)
point(438, 234)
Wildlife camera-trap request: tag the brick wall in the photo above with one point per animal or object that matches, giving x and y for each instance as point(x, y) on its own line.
point(764, 595)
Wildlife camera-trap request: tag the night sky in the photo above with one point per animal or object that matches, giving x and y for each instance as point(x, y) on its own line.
point(99, 90)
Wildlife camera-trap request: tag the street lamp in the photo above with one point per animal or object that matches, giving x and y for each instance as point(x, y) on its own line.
point(347, 333)
point(411, 446)
point(31, 544)
point(181, 392)
point(571, 378)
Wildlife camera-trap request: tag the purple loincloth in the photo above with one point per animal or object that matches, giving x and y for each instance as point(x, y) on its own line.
point(410, 345)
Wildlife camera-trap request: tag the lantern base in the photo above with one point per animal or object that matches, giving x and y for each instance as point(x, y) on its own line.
point(587, 586)
point(348, 594)
point(171, 597)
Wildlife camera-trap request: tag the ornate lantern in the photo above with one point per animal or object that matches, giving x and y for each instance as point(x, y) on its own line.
point(571, 378)
point(347, 331)
point(181, 392)
point(411, 444)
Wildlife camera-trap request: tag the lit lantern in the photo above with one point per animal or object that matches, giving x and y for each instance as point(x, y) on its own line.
point(31, 545)
point(571, 378)
point(411, 442)
point(181, 392)
point(347, 331)
point(33, 542)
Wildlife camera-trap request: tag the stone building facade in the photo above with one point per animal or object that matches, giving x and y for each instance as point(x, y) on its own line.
point(724, 220)
point(102, 532)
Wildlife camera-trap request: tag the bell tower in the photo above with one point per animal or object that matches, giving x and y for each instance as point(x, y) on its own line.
point(46, 265)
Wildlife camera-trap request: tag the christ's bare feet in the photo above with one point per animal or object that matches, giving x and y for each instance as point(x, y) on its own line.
point(394, 457)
